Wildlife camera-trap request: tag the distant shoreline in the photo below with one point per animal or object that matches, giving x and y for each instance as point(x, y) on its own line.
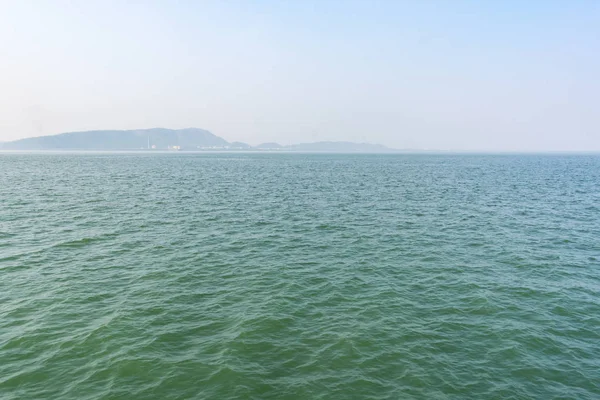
point(257, 151)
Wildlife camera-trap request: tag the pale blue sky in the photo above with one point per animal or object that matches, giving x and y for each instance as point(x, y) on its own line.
point(453, 75)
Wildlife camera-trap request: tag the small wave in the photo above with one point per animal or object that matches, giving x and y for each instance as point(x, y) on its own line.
point(85, 241)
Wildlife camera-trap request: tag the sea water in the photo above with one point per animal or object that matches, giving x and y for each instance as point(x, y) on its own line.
point(299, 276)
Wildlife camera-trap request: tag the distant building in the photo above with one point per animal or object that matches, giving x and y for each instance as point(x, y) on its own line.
point(174, 147)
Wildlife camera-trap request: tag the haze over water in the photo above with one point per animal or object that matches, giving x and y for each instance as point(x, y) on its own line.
point(446, 75)
point(299, 276)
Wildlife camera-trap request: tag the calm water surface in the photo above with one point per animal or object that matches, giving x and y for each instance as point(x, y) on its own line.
point(295, 276)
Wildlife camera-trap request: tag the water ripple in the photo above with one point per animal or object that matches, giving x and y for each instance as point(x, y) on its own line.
point(253, 276)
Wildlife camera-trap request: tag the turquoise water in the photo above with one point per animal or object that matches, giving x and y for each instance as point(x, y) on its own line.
point(297, 276)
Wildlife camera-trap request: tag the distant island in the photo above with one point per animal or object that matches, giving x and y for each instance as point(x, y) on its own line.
point(190, 139)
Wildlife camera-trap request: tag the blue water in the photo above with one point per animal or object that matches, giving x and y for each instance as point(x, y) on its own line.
point(299, 276)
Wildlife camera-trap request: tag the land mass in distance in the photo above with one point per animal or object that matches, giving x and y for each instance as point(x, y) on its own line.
point(190, 139)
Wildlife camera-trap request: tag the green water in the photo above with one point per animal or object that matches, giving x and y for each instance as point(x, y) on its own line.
point(296, 276)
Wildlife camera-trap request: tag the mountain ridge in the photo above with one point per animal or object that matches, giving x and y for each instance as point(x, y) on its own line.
point(171, 139)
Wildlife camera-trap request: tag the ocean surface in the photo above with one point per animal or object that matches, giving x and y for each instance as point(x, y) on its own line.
point(299, 276)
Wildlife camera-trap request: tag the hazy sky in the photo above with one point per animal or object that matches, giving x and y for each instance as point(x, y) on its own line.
point(471, 75)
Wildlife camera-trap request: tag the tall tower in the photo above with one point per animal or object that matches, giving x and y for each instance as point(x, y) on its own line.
point(148, 142)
